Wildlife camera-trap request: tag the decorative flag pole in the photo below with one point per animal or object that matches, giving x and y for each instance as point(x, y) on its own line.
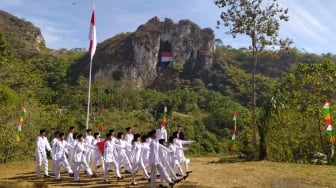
point(21, 119)
point(234, 145)
point(101, 120)
point(164, 115)
point(92, 50)
point(328, 124)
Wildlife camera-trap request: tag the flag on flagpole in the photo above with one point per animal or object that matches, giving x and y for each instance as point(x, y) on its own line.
point(92, 50)
point(164, 115)
point(92, 34)
point(20, 123)
point(233, 140)
point(328, 122)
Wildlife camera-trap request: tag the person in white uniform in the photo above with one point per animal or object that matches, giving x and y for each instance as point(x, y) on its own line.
point(123, 158)
point(97, 156)
point(42, 145)
point(161, 133)
point(79, 158)
point(61, 147)
point(155, 163)
point(109, 159)
point(88, 143)
point(129, 135)
point(136, 159)
point(52, 153)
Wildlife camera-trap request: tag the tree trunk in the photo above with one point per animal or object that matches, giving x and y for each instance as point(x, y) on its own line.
point(262, 143)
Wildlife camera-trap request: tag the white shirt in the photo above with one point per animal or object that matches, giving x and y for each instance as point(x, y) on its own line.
point(79, 152)
point(61, 147)
point(129, 138)
point(154, 153)
point(109, 149)
point(42, 145)
point(161, 133)
point(70, 138)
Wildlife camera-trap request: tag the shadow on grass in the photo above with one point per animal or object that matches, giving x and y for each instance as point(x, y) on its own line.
point(233, 157)
point(29, 180)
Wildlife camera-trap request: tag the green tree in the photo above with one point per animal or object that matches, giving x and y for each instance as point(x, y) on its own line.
point(4, 53)
point(259, 20)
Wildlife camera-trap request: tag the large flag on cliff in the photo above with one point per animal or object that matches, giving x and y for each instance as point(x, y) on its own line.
point(166, 56)
point(92, 35)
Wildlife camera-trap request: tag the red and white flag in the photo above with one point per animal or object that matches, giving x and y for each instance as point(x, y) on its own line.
point(92, 35)
point(166, 56)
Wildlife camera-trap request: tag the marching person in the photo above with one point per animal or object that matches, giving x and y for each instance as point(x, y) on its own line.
point(97, 156)
point(155, 162)
point(122, 158)
point(61, 147)
point(136, 159)
point(174, 159)
point(88, 144)
point(70, 137)
point(129, 135)
point(53, 152)
point(164, 153)
point(180, 153)
point(109, 159)
point(42, 145)
point(80, 159)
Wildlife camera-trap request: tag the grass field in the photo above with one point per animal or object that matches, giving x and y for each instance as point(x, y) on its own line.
point(207, 172)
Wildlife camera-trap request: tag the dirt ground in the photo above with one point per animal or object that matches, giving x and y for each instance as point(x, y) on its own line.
point(207, 173)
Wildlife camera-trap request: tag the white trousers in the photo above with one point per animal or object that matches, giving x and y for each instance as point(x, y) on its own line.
point(141, 166)
point(41, 158)
point(84, 165)
point(162, 172)
point(108, 166)
point(62, 162)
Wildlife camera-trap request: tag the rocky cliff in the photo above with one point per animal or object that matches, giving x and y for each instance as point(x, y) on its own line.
point(23, 38)
point(138, 56)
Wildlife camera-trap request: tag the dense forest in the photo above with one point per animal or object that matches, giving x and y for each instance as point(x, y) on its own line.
point(291, 86)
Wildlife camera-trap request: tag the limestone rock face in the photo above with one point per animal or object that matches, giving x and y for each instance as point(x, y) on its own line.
point(136, 57)
point(23, 38)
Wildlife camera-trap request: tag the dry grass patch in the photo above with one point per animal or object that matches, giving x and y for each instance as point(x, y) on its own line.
point(207, 172)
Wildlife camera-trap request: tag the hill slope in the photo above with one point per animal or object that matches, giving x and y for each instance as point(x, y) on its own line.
point(23, 38)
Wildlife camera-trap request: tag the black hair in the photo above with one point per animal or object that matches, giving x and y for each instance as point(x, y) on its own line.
point(61, 134)
point(135, 137)
point(79, 136)
point(171, 139)
point(72, 127)
point(151, 133)
point(162, 141)
point(74, 136)
point(56, 133)
point(42, 131)
point(108, 135)
point(128, 128)
point(88, 130)
point(111, 131)
point(144, 137)
point(95, 135)
point(119, 134)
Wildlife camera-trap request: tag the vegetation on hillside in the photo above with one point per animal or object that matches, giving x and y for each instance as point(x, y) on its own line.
point(291, 85)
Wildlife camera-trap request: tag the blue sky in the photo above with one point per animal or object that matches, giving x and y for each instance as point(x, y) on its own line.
point(65, 23)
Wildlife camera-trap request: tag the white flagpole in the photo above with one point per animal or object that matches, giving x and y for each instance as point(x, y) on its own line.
point(92, 49)
point(89, 97)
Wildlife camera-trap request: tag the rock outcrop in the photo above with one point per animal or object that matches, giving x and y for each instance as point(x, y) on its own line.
point(137, 57)
point(23, 38)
